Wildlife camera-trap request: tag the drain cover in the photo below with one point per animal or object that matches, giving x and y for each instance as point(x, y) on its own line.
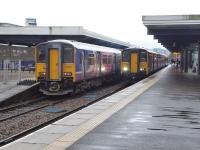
point(54, 110)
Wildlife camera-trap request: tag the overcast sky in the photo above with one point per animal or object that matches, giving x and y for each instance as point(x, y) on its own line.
point(120, 19)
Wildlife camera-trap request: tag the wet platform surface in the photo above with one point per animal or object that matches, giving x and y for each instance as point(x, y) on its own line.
point(166, 116)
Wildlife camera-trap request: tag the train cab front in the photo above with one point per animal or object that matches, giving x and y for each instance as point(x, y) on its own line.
point(125, 65)
point(55, 68)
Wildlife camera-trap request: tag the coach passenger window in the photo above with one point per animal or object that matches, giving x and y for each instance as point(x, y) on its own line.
point(68, 54)
point(143, 56)
point(125, 56)
point(91, 59)
point(41, 54)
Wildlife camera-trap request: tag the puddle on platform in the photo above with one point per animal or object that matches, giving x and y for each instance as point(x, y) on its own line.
point(90, 96)
point(157, 129)
point(182, 119)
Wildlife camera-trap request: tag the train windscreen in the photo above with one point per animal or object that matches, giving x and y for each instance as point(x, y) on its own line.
point(68, 54)
point(125, 56)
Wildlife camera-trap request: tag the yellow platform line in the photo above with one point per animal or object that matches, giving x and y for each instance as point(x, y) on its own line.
point(71, 137)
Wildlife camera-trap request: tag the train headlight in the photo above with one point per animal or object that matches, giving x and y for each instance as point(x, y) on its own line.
point(141, 69)
point(125, 69)
point(67, 74)
point(42, 74)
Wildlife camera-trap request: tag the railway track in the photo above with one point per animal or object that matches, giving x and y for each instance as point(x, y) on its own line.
point(22, 104)
point(35, 115)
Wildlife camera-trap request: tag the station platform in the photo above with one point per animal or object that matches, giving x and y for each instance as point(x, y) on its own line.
point(159, 112)
point(11, 88)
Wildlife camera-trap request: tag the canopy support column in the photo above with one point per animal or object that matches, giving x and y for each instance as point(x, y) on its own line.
point(185, 60)
point(198, 58)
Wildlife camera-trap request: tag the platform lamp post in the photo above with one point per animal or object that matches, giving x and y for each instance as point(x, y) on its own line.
point(185, 60)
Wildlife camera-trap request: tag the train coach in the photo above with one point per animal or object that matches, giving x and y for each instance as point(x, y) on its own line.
point(138, 63)
point(64, 66)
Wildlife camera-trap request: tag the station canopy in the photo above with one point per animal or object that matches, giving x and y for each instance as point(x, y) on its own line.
point(174, 32)
point(32, 35)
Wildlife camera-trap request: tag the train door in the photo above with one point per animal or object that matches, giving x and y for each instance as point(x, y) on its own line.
point(150, 62)
point(134, 62)
point(83, 65)
point(54, 64)
point(114, 68)
point(98, 63)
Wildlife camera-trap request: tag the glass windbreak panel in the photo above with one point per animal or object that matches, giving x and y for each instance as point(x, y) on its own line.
point(143, 56)
point(68, 54)
point(125, 56)
point(41, 54)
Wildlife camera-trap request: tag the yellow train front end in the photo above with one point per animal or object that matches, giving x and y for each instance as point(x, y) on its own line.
point(55, 68)
point(134, 63)
point(137, 63)
point(125, 65)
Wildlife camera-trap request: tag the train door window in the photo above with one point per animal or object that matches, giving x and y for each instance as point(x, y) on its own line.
point(143, 56)
point(110, 59)
point(105, 59)
point(98, 57)
point(91, 59)
point(125, 56)
point(68, 54)
point(80, 58)
point(41, 54)
point(155, 58)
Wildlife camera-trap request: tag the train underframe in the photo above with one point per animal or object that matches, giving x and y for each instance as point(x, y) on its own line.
point(134, 76)
point(67, 86)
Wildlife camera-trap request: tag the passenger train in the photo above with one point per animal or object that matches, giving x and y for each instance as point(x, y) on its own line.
point(64, 66)
point(138, 63)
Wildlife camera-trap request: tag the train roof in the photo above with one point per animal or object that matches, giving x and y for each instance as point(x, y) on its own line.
point(85, 46)
point(138, 49)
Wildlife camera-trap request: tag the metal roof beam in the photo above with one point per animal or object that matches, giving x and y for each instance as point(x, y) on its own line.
point(174, 31)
